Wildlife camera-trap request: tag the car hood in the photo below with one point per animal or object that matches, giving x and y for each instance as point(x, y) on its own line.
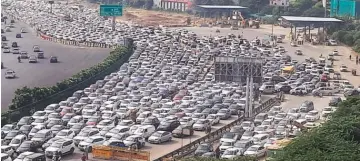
point(52, 149)
point(154, 138)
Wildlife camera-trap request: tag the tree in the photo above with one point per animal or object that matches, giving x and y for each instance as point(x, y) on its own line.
point(314, 12)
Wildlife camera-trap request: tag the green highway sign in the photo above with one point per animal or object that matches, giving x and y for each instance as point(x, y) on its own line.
point(111, 10)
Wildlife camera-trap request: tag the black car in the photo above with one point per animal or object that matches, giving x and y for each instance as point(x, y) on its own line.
point(3, 38)
point(168, 126)
point(26, 146)
point(2, 31)
point(14, 44)
point(26, 120)
point(12, 21)
point(18, 35)
point(203, 148)
point(183, 131)
point(53, 59)
point(285, 89)
point(151, 121)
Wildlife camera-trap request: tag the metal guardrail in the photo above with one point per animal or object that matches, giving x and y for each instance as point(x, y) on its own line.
point(189, 148)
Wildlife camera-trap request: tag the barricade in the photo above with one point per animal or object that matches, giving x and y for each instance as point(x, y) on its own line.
point(189, 148)
point(116, 153)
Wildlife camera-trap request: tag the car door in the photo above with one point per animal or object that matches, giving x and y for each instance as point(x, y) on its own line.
point(66, 147)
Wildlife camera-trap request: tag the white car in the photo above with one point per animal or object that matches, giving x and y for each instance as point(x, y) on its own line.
point(343, 68)
point(5, 157)
point(310, 125)
point(230, 153)
point(17, 140)
point(91, 141)
point(327, 111)
point(6, 50)
point(7, 150)
point(65, 134)
point(312, 116)
point(32, 59)
point(213, 118)
point(255, 150)
point(247, 125)
point(10, 74)
point(335, 53)
point(226, 145)
point(333, 42)
point(62, 146)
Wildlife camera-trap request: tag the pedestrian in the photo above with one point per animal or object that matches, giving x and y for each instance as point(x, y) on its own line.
point(83, 158)
point(328, 84)
point(357, 61)
point(217, 152)
point(350, 57)
point(239, 113)
point(87, 152)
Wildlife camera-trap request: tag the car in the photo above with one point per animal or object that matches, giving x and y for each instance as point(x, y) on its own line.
point(115, 143)
point(49, 142)
point(169, 125)
point(15, 51)
point(65, 133)
point(116, 130)
point(88, 143)
point(333, 42)
point(25, 129)
point(203, 148)
point(230, 153)
point(36, 48)
point(33, 59)
point(42, 136)
point(3, 38)
point(6, 51)
point(7, 150)
point(9, 136)
point(335, 101)
point(40, 55)
point(343, 68)
point(255, 150)
point(62, 146)
point(85, 133)
point(14, 45)
point(21, 156)
point(5, 157)
point(202, 124)
point(17, 140)
point(230, 137)
point(23, 30)
point(24, 55)
point(9, 74)
point(298, 52)
point(160, 137)
point(18, 35)
point(135, 141)
point(224, 114)
point(183, 131)
point(213, 118)
point(36, 157)
point(53, 59)
point(312, 116)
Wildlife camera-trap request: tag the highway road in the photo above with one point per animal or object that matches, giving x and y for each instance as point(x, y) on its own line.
point(72, 60)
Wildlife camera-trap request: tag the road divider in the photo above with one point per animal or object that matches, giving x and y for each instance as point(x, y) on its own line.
point(189, 148)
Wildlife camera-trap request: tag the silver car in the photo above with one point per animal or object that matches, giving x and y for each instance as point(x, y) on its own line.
point(159, 137)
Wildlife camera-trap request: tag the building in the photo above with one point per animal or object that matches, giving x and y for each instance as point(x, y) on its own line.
point(176, 5)
point(345, 8)
point(279, 2)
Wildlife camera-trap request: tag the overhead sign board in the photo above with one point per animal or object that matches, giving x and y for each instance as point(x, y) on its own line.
point(111, 10)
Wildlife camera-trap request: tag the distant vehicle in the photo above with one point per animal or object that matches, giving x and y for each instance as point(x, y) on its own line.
point(298, 52)
point(24, 55)
point(217, 31)
point(14, 44)
point(10, 74)
point(40, 55)
point(3, 38)
point(53, 59)
point(333, 42)
point(36, 48)
point(2, 31)
point(23, 30)
point(32, 59)
point(18, 36)
point(6, 51)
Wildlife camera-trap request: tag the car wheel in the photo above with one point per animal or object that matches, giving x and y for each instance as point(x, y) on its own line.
point(71, 151)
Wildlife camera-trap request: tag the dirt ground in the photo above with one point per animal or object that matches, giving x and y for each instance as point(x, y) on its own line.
point(153, 18)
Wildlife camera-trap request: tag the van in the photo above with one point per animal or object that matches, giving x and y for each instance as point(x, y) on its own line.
point(260, 118)
point(307, 106)
point(260, 139)
point(145, 131)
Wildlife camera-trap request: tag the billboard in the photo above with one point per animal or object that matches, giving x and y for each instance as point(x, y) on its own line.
point(279, 2)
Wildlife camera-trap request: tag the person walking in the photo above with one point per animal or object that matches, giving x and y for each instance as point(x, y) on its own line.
point(56, 156)
point(83, 157)
point(239, 113)
point(350, 57)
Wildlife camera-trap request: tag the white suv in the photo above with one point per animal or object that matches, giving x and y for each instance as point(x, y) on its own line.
point(62, 146)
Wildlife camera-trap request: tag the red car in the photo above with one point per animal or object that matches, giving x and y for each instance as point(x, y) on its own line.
point(66, 110)
point(93, 120)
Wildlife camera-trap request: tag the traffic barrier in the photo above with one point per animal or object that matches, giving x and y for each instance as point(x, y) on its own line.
point(116, 153)
point(189, 148)
point(75, 43)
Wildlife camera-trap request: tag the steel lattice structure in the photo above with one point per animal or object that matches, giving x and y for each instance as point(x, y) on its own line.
point(237, 69)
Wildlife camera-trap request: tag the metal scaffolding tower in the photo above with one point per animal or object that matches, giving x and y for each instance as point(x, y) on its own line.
point(244, 70)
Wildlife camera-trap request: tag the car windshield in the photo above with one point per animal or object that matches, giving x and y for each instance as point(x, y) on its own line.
point(252, 149)
point(229, 135)
point(56, 128)
point(56, 145)
point(25, 127)
point(230, 152)
point(93, 119)
point(240, 145)
point(203, 147)
point(157, 134)
point(77, 126)
point(248, 133)
point(114, 130)
point(89, 140)
point(103, 123)
point(226, 144)
point(39, 135)
point(62, 133)
point(6, 128)
point(15, 141)
point(84, 133)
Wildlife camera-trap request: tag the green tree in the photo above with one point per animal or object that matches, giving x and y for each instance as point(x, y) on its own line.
point(314, 12)
point(149, 4)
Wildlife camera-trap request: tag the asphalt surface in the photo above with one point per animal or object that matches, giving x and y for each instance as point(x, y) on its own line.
point(72, 60)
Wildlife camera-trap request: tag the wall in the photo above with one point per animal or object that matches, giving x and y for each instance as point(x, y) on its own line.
point(345, 8)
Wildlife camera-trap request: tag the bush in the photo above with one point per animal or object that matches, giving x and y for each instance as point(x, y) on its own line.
point(25, 95)
point(337, 140)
